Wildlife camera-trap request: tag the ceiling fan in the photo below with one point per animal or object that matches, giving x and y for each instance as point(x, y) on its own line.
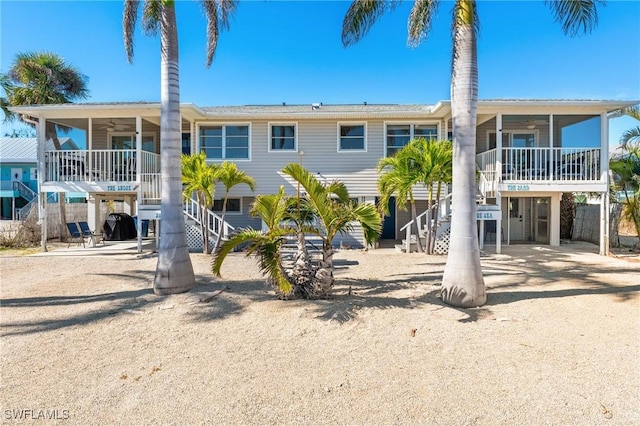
point(531, 123)
point(112, 126)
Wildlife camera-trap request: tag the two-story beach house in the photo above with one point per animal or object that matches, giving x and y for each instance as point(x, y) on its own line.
point(529, 152)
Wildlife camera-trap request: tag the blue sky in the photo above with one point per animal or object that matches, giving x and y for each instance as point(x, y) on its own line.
point(290, 51)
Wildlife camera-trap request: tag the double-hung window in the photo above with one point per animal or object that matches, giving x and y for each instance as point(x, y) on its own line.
point(352, 137)
point(282, 137)
point(398, 135)
point(234, 205)
point(225, 141)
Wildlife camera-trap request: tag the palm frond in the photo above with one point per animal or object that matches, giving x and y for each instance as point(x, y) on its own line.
point(419, 24)
point(242, 237)
point(360, 17)
point(370, 220)
point(633, 111)
point(218, 14)
point(152, 16)
point(229, 175)
point(129, 19)
point(630, 138)
point(577, 17)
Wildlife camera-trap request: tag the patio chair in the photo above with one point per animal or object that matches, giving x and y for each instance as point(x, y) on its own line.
point(88, 233)
point(75, 234)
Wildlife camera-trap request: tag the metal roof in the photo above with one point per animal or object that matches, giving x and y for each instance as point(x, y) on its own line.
point(25, 150)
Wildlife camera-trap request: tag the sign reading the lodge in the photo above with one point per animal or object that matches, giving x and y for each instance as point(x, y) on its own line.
point(118, 188)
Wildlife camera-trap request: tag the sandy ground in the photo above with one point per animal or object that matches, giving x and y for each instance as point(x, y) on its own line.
point(84, 340)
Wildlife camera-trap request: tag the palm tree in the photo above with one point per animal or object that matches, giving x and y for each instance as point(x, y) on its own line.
point(273, 210)
point(435, 160)
point(199, 179)
point(229, 175)
point(174, 271)
point(401, 173)
point(5, 85)
point(632, 136)
point(462, 282)
point(625, 167)
point(44, 78)
point(335, 213)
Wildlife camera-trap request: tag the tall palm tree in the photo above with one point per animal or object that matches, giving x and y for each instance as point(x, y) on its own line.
point(199, 179)
point(174, 271)
point(229, 175)
point(462, 282)
point(45, 78)
point(335, 214)
point(398, 176)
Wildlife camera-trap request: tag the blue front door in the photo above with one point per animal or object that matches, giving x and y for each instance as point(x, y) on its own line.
point(389, 222)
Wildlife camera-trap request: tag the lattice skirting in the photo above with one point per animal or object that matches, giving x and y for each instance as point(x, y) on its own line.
point(442, 243)
point(194, 237)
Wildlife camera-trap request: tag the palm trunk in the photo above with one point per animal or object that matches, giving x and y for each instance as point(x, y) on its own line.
point(435, 221)
point(302, 271)
point(324, 275)
point(52, 133)
point(429, 220)
point(414, 217)
point(174, 271)
point(462, 282)
point(204, 226)
point(221, 233)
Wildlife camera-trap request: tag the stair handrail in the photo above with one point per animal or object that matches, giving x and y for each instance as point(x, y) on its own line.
point(23, 212)
point(427, 216)
point(214, 224)
point(29, 195)
point(24, 191)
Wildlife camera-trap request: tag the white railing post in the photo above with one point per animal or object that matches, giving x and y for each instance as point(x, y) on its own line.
point(407, 232)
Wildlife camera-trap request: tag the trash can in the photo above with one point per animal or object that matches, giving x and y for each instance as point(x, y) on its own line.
point(145, 226)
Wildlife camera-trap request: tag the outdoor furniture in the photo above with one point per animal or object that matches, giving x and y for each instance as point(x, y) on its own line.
point(75, 234)
point(88, 233)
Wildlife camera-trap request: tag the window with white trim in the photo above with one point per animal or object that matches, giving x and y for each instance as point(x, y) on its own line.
point(225, 141)
point(234, 205)
point(352, 137)
point(282, 137)
point(398, 135)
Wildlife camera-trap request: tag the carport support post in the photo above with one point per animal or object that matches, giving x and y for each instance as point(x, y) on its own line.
point(604, 176)
point(42, 197)
point(497, 181)
point(138, 179)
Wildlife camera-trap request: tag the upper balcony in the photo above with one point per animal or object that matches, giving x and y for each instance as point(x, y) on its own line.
point(103, 171)
point(529, 169)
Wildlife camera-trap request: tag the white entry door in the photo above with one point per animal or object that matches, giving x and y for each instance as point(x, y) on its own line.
point(16, 175)
point(516, 219)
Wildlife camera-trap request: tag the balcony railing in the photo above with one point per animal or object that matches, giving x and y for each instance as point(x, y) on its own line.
point(542, 164)
point(116, 165)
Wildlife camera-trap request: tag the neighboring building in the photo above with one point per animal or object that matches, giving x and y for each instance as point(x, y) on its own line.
point(19, 173)
point(528, 153)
